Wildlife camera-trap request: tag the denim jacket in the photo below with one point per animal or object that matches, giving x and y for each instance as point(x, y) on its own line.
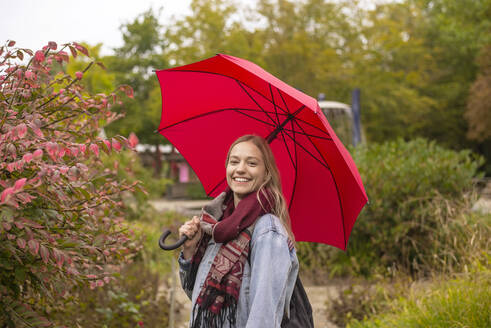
point(267, 283)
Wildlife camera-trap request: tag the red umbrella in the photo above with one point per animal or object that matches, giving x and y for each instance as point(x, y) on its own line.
point(208, 104)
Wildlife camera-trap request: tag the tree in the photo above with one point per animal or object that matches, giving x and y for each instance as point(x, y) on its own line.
point(96, 80)
point(454, 32)
point(133, 64)
point(479, 105)
point(414, 60)
point(203, 33)
point(61, 212)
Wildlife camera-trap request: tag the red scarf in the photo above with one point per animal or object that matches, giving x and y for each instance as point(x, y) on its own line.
point(218, 298)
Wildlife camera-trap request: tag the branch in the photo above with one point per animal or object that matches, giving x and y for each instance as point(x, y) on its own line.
point(68, 86)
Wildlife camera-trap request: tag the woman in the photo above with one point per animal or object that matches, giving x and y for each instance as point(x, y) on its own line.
point(239, 265)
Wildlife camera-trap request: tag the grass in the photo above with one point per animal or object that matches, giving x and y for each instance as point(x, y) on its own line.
point(464, 301)
point(150, 227)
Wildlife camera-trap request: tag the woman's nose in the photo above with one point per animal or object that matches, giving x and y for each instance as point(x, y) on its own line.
point(241, 167)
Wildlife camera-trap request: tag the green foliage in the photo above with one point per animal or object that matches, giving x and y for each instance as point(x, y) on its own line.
point(96, 80)
point(150, 227)
point(127, 166)
point(461, 302)
point(138, 298)
point(414, 189)
point(132, 64)
point(360, 299)
point(418, 206)
point(196, 191)
point(478, 114)
point(413, 60)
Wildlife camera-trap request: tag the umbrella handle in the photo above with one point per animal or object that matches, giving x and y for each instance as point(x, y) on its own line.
point(166, 234)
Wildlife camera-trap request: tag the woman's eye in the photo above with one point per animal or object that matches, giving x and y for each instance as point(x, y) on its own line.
point(234, 162)
point(252, 163)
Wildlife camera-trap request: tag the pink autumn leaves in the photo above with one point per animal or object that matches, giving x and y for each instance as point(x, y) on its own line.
point(17, 154)
point(61, 210)
point(57, 151)
point(7, 193)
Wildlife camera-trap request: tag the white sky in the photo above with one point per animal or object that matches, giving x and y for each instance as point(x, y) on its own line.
point(32, 23)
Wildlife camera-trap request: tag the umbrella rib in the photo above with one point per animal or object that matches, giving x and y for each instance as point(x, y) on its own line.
point(287, 111)
point(308, 134)
point(214, 112)
point(229, 77)
point(292, 116)
point(307, 151)
point(335, 184)
point(255, 118)
point(240, 84)
point(280, 127)
point(294, 166)
point(274, 105)
point(284, 102)
point(296, 170)
point(315, 127)
point(288, 150)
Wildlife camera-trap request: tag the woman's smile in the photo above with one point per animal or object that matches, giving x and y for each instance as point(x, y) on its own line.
point(245, 169)
point(241, 179)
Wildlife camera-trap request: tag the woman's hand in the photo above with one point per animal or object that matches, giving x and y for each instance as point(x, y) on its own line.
point(192, 229)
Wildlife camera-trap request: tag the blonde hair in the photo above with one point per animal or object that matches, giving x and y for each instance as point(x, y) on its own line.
point(272, 182)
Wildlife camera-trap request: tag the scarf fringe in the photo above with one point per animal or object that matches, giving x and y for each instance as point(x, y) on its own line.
point(204, 318)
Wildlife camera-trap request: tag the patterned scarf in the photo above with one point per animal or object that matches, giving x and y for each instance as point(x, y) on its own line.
point(218, 297)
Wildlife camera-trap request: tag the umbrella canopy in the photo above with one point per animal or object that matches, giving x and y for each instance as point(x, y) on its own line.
point(207, 105)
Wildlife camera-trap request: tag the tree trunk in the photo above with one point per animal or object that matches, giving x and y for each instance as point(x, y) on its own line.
point(157, 162)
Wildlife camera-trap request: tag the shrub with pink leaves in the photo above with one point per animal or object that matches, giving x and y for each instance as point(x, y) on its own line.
point(61, 214)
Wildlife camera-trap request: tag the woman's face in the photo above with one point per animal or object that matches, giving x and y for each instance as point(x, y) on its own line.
point(245, 169)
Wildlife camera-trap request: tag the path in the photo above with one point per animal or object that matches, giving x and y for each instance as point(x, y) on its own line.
point(483, 204)
point(184, 206)
point(318, 296)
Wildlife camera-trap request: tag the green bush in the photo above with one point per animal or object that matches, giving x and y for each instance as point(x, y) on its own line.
point(134, 299)
point(196, 191)
point(361, 299)
point(461, 302)
point(417, 192)
point(127, 167)
point(149, 228)
point(461, 243)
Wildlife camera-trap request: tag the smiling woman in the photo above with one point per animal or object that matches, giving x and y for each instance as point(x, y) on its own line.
point(245, 169)
point(239, 265)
